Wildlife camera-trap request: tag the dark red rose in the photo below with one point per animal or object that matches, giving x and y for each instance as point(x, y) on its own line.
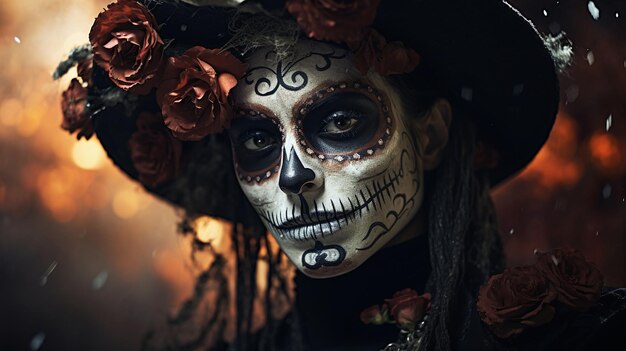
point(577, 282)
point(374, 53)
point(516, 299)
point(74, 107)
point(193, 93)
point(375, 315)
point(154, 152)
point(407, 307)
point(126, 45)
point(335, 20)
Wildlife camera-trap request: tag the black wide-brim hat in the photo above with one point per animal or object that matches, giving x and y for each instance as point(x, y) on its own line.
point(482, 54)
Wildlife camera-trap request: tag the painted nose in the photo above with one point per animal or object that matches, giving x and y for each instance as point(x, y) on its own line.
point(294, 177)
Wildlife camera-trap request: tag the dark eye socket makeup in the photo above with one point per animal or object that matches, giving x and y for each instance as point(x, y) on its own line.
point(256, 142)
point(341, 121)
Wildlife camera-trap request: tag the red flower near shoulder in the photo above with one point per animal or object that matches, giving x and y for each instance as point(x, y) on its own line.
point(520, 297)
point(74, 108)
point(126, 44)
point(374, 53)
point(407, 307)
point(193, 94)
point(577, 282)
point(156, 155)
point(335, 20)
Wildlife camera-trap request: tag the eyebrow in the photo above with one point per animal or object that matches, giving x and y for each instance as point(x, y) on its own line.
point(253, 110)
point(329, 88)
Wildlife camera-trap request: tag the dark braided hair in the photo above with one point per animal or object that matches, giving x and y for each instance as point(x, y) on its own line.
point(463, 240)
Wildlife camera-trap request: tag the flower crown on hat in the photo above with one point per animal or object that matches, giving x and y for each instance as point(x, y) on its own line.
point(192, 88)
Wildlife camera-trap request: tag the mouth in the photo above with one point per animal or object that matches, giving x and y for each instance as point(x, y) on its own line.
point(312, 219)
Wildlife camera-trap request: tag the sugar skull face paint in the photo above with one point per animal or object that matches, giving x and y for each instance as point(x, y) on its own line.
point(324, 157)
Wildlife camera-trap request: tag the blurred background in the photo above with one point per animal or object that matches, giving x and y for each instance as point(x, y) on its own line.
point(89, 261)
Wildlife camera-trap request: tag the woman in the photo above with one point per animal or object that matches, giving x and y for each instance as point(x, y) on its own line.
point(364, 136)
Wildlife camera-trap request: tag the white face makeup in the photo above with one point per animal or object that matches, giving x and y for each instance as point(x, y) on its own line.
point(324, 157)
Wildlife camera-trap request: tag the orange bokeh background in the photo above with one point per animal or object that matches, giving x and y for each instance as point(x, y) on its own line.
point(89, 260)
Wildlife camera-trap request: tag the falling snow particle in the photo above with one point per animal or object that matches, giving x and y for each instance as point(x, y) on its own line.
point(466, 94)
point(616, 14)
point(571, 93)
point(597, 233)
point(17, 40)
point(512, 231)
point(44, 277)
point(99, 281)
point(606, 191)
point(609, 122)
point(590, 57)
point(37, 341)
point(545, 13)
point(593, 10)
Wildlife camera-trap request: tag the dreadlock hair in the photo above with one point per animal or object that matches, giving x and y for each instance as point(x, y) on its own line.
point(464, 243)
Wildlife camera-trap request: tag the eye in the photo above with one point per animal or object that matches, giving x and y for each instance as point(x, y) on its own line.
point(340, 122)
point(257, 141)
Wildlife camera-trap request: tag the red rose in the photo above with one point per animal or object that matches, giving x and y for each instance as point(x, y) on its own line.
point(335, 20)
point(74, 107)
point(154, 152)
point(373, 52)
point(126, 44)
point(193, 94)
point(518, 298)
point(407, 307)
point(375, 315)
point(577, 282)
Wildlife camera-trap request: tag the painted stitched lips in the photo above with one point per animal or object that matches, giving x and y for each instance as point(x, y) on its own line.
point(323, 255)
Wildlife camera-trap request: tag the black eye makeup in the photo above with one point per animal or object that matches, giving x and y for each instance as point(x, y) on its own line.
point(256, 141)
point(343, 121)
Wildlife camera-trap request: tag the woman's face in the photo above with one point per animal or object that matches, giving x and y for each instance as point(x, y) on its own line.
point(324, 157)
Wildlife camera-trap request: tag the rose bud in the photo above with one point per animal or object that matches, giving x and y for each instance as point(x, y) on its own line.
point(407, 307)
point(375, 315)
point(75, 112)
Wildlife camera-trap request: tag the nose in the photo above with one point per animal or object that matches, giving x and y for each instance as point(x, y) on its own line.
point(294, 176)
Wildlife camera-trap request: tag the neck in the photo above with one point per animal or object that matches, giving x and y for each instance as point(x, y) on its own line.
point(329, 308)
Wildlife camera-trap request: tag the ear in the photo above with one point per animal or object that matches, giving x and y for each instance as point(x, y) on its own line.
point(434, 136)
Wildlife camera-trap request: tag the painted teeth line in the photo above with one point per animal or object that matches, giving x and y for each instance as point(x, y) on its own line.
point(306, 222)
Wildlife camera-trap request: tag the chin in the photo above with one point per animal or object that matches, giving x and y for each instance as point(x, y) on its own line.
point(330, 272)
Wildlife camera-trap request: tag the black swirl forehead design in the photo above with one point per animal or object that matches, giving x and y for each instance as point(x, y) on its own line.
point(377, 143)
point(296, 79)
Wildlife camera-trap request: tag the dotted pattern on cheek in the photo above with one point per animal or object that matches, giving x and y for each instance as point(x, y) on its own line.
point(377, 143)
point(260, 176)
